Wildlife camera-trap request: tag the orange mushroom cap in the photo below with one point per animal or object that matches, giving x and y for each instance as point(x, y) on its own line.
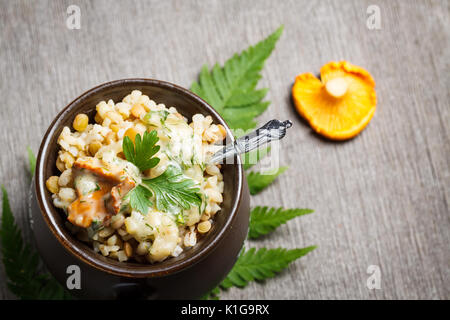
point(341, 104)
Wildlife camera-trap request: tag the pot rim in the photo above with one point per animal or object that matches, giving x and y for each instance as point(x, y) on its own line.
point(73, 245)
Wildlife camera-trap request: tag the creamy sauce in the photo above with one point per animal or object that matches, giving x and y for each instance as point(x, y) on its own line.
point(178, 141)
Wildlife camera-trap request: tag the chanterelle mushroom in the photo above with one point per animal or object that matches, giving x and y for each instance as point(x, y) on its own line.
point(340, 104)
point(100, 189)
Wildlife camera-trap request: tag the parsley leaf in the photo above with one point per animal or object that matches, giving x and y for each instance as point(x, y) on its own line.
point(140, 198)
point(173, 189)
point(231, 89)
point(262, 264)
point(141, 152)
point(21, 262)
point(257, 181)
point(264, 220)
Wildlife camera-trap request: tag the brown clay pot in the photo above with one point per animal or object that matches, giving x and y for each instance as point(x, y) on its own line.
point(188, 276)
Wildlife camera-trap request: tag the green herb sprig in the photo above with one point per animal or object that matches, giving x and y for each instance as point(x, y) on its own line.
point(141, 152)
point(171, 189)
point(140, 199)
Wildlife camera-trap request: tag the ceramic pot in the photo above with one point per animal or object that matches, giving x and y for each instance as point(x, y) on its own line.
point(188, 276)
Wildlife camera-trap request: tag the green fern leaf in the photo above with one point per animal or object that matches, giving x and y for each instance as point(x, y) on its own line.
point(259, 265)
point(258, 181)
point(231, 89)
point(31, 161)
point(264, 220)
point(212, 295)
point(22, 263)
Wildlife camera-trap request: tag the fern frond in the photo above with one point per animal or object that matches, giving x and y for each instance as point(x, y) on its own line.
point(258, 265)
point(264, 219)
point(231, 89)
point(258, 181)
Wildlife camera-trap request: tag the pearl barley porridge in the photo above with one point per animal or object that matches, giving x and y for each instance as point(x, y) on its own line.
point(134, 184)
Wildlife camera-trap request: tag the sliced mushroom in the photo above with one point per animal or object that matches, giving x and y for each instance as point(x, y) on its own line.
point(118, 193)
point(100, 191)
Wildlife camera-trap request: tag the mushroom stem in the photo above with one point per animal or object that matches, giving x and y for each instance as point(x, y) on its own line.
point(336, 87)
